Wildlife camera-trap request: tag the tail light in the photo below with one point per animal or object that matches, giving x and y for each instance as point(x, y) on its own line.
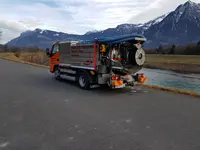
point(115, 77)
point(141, 75)
point(141, 78)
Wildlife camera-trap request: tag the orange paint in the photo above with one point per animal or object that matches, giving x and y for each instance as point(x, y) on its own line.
point(54, 60)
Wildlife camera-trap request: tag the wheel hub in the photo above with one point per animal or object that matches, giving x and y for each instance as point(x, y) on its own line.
point(82, 81)
point(57, 74)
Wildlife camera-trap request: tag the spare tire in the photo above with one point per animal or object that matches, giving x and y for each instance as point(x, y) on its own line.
point(140, 57)
point(137, 57)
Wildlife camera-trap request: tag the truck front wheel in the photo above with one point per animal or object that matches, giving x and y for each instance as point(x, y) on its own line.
point(83, 81)
point(57, 73)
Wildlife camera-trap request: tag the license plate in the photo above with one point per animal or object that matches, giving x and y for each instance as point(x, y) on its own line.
point(120, 86)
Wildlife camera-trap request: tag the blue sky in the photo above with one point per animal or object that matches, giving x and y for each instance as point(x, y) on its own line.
point(77, 16)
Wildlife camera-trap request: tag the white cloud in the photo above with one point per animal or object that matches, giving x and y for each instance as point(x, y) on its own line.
point(157, 8)
point(77, 16)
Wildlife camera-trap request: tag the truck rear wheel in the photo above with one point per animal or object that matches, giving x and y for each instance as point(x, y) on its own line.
point(83, 81)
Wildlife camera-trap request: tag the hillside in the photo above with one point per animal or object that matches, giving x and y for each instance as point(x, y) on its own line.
point(177, 27)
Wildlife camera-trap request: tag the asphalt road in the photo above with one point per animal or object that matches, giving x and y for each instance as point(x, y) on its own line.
point(39, 113)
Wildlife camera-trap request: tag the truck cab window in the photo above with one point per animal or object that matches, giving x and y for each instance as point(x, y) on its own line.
point(55, 49)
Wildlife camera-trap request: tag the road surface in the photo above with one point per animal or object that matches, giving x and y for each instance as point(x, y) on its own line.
point(39, 113)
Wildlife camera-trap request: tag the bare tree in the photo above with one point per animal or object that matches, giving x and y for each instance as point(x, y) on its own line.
point(172, 49)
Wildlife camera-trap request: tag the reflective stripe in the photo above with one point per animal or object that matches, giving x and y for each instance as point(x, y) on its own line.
point(117, 82)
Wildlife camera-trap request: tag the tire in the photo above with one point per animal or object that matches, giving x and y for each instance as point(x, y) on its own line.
point(140, 57)
point(56, 74)
point(137, 57)
point(83, 81)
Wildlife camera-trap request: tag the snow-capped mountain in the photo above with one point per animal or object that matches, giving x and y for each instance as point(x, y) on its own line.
point(154, 21)
point(93, 31)
point(40, 38)
point(180, 26)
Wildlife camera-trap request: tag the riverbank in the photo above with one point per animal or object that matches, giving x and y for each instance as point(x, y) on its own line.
point(177, 63)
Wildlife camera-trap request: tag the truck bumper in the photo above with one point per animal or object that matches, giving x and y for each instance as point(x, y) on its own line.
point(137, 78)
point(128, 80)
point(119, 86)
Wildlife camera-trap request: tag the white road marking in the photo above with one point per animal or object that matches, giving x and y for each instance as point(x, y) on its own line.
point(147, 127)
point(128, 121)
point(76, 126)
point(71, 138)
point(4, 144)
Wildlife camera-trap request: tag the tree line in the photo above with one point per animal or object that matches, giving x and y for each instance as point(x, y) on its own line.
point(189, 49)
point(14, 49)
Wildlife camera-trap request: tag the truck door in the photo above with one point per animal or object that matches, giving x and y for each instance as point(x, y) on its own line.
point(54, 59)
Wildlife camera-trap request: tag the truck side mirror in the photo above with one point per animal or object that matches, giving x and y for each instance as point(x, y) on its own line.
point(47, 52)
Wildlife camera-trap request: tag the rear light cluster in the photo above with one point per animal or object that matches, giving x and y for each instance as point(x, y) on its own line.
point(115, 77)
point(141, 75)
point(141, 78)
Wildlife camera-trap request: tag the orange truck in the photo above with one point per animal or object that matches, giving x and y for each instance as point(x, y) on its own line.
point(109, 61)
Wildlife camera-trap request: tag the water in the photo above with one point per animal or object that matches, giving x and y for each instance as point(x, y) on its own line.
point(172, 79)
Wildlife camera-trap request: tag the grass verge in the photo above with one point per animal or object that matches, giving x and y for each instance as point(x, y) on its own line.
point(12, 57)
point(174, 90)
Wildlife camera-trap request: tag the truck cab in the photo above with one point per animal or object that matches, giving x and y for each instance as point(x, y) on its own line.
point(54, 56)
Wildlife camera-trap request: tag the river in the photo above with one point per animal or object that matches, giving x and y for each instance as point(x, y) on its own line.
point(172, 79)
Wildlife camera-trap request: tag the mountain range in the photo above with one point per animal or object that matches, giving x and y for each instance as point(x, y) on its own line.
point(181, 26)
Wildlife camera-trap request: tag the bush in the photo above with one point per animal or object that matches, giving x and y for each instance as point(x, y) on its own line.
point(17, 54)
